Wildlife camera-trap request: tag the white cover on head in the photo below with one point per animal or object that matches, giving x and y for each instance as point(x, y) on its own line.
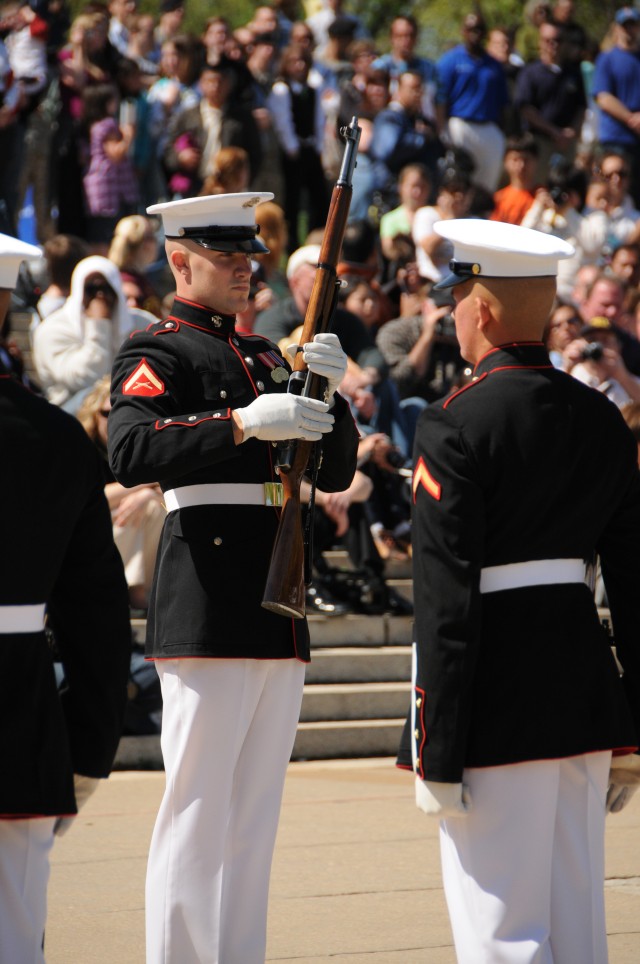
point(497, 250)
point(12, 253)
point(228, 210)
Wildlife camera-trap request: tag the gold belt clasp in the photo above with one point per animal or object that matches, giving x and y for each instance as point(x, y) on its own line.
point(273, 494)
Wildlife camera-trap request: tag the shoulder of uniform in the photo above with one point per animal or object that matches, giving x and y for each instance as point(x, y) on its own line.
point(463, 392)
point(165, 327)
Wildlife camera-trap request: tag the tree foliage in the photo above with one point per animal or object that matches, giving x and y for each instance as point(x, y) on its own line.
point(439, 19)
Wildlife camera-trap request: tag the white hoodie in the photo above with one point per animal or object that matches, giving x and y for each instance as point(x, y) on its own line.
point(71, 351)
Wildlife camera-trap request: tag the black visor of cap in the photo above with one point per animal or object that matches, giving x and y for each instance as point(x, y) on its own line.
point(216, 237)
point(461, 271)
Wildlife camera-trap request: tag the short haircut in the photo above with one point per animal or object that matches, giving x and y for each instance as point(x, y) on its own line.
point(408, 18)
point(415, 168)
point(522, 144)
point(600, 277)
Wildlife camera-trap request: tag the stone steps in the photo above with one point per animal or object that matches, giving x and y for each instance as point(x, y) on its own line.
point(340, 739)
point(329, 702)
point(356, 693)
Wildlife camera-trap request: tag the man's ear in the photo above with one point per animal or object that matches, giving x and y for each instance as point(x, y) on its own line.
point(484, 314)
point(180, 262)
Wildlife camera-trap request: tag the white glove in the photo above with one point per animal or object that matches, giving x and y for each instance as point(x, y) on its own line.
point(324, 356)
point(618, 797)
point(442, 800)
point(83, 787)
point(281, 416)
point(624, 778)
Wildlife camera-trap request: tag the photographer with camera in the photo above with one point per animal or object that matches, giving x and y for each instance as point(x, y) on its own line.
point(555, 211)
point(76, 345)
point(595, 359)
point(421, 350)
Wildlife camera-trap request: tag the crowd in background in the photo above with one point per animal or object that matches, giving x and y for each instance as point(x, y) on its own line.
point(536, 123)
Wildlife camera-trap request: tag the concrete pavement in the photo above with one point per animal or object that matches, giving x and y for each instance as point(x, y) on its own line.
point(356, 874)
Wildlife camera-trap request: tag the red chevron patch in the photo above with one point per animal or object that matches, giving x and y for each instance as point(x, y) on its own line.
point(422, 477)
point(143, 381)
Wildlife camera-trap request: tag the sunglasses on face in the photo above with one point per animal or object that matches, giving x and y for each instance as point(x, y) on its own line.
point(94, 288)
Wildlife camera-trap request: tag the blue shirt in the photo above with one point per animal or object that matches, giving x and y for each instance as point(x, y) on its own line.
point(617, 72)
point(419, 65)
point(473, 88)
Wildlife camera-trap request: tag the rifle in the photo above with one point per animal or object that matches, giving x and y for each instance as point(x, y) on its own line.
point(285, 589)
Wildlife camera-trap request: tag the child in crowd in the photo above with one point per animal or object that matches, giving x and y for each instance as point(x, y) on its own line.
point(110, 184)
point(512, 202)
point(414, 188)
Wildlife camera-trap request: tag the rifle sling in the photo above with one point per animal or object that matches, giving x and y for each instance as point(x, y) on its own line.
point(308, 523)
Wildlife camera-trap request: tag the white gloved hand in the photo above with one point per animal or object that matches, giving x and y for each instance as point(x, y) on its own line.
point(624, 779)
point(442, 800)
point(281, 416)
point(83, 787)
point(324, 356)
point(618, 796)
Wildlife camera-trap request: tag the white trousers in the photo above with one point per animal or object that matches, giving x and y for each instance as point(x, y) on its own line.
point(24, 874)
point(228, 729)
point(485, 143)
point(524, 870)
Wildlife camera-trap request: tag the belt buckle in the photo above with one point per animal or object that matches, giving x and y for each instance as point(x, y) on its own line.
point(273, 494)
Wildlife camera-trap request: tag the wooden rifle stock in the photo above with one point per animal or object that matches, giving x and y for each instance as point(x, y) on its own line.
point(285, 590)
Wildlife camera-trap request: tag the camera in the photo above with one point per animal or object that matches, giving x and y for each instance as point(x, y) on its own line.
point(395, 459)
point(446, 327)
point(558, 195)
point(592, 352)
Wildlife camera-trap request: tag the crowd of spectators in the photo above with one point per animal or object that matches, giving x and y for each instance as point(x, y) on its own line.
point(535, 123)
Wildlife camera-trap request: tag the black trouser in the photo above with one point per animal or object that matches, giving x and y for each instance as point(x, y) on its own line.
point(304, 173)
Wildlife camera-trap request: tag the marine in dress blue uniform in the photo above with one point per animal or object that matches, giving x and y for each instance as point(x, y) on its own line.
point(60, 560)
point(520, 479)
point(199, 407)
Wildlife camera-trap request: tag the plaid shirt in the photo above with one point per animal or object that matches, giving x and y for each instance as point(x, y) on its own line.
point(108, 185)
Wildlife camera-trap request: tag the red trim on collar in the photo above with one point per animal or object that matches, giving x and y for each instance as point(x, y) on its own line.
point(509, 368)
point(509, 344)
point(196, 304)
point(208, 331)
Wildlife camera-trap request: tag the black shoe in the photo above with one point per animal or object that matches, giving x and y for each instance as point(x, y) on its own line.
point(378, 598)
point(397, 604)
point(319, 600)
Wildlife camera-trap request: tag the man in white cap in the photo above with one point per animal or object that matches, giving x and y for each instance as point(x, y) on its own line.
point(60, 559)
point(199, 407)
point(518, 706)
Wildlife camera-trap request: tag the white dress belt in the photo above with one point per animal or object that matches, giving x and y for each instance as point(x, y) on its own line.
point(538, 572)
point(224, 493)
point(22, 619)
